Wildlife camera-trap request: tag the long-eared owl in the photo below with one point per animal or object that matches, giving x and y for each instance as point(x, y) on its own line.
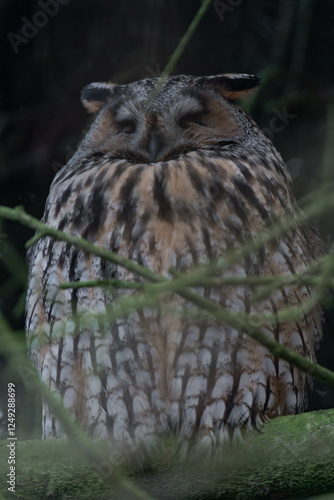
point(172, 176)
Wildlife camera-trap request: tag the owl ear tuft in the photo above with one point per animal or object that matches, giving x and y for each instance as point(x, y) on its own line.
point(95, 95)
point(232, 85)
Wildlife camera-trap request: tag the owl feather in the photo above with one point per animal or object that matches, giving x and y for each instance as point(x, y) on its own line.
point(173, 180)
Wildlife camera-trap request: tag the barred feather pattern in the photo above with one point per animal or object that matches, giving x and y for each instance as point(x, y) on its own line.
point(154, 372)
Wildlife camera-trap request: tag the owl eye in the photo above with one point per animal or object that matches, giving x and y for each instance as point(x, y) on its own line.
point(127, 125)
point(190, 118)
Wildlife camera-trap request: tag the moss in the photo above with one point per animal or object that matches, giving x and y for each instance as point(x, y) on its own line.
point(292, 457)
point(51, 469)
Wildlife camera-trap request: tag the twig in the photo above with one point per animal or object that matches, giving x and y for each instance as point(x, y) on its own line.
point(246, 323)
point(270, 283)
point(180, 48)
point(18, 214)
point(107, 283)
point(252, 328)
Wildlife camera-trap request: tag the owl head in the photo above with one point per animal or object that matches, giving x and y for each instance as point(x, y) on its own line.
point(144, 122)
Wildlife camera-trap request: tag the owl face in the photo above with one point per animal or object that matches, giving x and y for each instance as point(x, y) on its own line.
point(143, 124)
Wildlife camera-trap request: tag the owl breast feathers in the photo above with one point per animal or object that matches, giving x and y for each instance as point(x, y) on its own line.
point(173, 177)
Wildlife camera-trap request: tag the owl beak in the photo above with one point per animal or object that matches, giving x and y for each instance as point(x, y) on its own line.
point(154, 145)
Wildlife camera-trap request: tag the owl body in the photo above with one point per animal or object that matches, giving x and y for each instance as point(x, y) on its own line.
point(172, 178)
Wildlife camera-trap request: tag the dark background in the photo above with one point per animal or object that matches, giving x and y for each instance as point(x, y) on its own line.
point(289, 43)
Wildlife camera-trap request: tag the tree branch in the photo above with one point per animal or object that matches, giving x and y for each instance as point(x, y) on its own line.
point(246, 324)
point(292, 457)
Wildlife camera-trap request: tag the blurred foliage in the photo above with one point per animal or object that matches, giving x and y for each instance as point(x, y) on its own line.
point(291, 458)
point(286, 42)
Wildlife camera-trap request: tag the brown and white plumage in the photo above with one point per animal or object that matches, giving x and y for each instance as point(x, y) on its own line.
point(170, 179)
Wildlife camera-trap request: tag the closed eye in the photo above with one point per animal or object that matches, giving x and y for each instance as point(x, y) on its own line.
point(190, 118)
point(127, 125)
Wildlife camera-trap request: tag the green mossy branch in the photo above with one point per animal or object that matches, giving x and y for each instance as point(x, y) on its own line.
point(272, 282)
point(292, 457)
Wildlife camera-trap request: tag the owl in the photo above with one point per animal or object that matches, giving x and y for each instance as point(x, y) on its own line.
point(173, 176)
